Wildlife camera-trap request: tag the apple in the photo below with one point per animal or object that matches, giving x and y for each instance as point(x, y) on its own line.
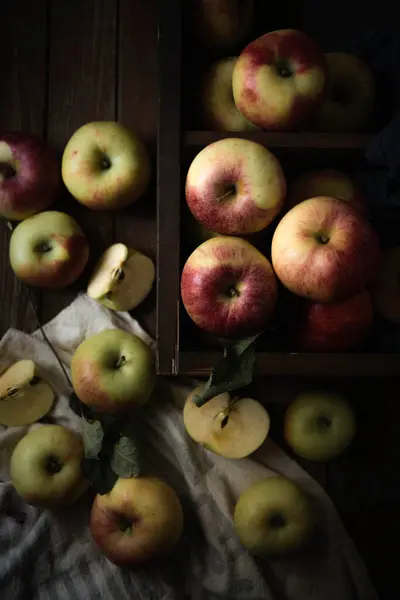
point(228, 287)
point(230, 427)
point(45, 466)
point(319, 425)
point(221, 23)
point(24, 396)
point(385, 287)
point(350, 97)
point(105, 166)
point(279, 80)
point(326, 182)
point(219, 108)
point(273, 516)
point(113, 370)
point(122, 278)
point(48, 250)
point(235, 187)
point(138, 521)
point(332, 326)
point(29, 175)
point(325, 250)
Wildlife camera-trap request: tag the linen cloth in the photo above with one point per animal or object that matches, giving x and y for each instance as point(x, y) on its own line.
point(48, 555)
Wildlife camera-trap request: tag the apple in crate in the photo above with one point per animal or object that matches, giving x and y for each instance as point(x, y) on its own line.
point(319, 425)
point(385, 287)
point(235, 187)
point(325, 250)
point(233, 428)
point(29, 175)
point(228, 287)
point(122, 278)
point(48, 250)
point(221, 23)
point(279, 80)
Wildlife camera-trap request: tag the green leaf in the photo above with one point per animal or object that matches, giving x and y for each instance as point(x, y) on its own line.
point(125, 458)
point(93, 435)
point(99, 474)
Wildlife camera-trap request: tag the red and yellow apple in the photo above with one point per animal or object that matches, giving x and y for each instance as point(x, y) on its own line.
point(228, 287)
point(235, 187)
point(385, 287)
point(325, 250)
point(279, 80)
point(221, 23)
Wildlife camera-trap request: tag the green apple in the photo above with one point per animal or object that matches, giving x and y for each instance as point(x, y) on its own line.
point(24, 396)
point(273, 516)
point(233, 428)
point(319, 425)
point(105, 166)
point(122, 278)
point(113, 371)
point(138, 521)
point(45, 466)
point(48, 250)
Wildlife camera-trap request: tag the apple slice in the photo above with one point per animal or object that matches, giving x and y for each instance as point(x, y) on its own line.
point(122, 278)
point(230, 428)
point(24, 396)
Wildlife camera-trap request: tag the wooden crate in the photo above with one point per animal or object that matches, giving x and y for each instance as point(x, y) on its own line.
point(180, 348)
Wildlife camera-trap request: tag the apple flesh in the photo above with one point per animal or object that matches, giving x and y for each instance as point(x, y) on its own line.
point(233, 429)
point(105, 166)
point(228, 287)
point(113, 371)
point(48, 250)
point(29, 175)
point(122, 278)
point(24, 396)
point(319, 250)
point(139, 521)
point(279, 80)
point(319, 425)
point(273, 516)
point(45, 466)
point(235, 187)
point(385, 288)
point(221, 23)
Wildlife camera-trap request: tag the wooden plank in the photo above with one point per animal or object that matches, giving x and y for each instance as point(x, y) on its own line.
point(82, 84)
point(22, 104)
point(137, 109)
point(168, 185)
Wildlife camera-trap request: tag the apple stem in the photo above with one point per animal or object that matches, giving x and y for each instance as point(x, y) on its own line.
point(228, 193)
point(120, 362)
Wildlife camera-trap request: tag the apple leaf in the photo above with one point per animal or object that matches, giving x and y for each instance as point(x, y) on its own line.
point(93, 435)
point(125, 458)
point(99, 474)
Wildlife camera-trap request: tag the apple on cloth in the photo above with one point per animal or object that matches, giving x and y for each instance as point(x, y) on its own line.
point(208, 487)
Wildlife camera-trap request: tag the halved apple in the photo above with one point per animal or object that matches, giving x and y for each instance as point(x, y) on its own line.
point(233, 428)
point(122, 278)
point(24, 396)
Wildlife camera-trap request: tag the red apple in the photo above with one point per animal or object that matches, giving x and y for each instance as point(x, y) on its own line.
point(228, 287)
point(279, 80)
point(385, 287)
point(235, 187)
point(29, 175)
point(324, 250)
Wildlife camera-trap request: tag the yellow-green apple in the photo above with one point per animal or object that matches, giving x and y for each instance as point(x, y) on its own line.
point(230, 427)
point(350, 97)
point(113, 371)
point(331, 326)
point(326, 182)
point(235, 187)
point(279, 80)
point(325, 250)
point(273, 516)
point(105, 166)
point(48, 250)
point(122, 278)
point(139, 521)
point(45, 466)
point(228, 287)
point(221, 23)
point(319, 425)
point(25, 397)
point(218, 106)
point(29, 175)
point(385, 287)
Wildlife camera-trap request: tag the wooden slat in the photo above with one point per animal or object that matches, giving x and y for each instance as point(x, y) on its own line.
point(82, 84)
point(22, 105)
point(137, 109)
